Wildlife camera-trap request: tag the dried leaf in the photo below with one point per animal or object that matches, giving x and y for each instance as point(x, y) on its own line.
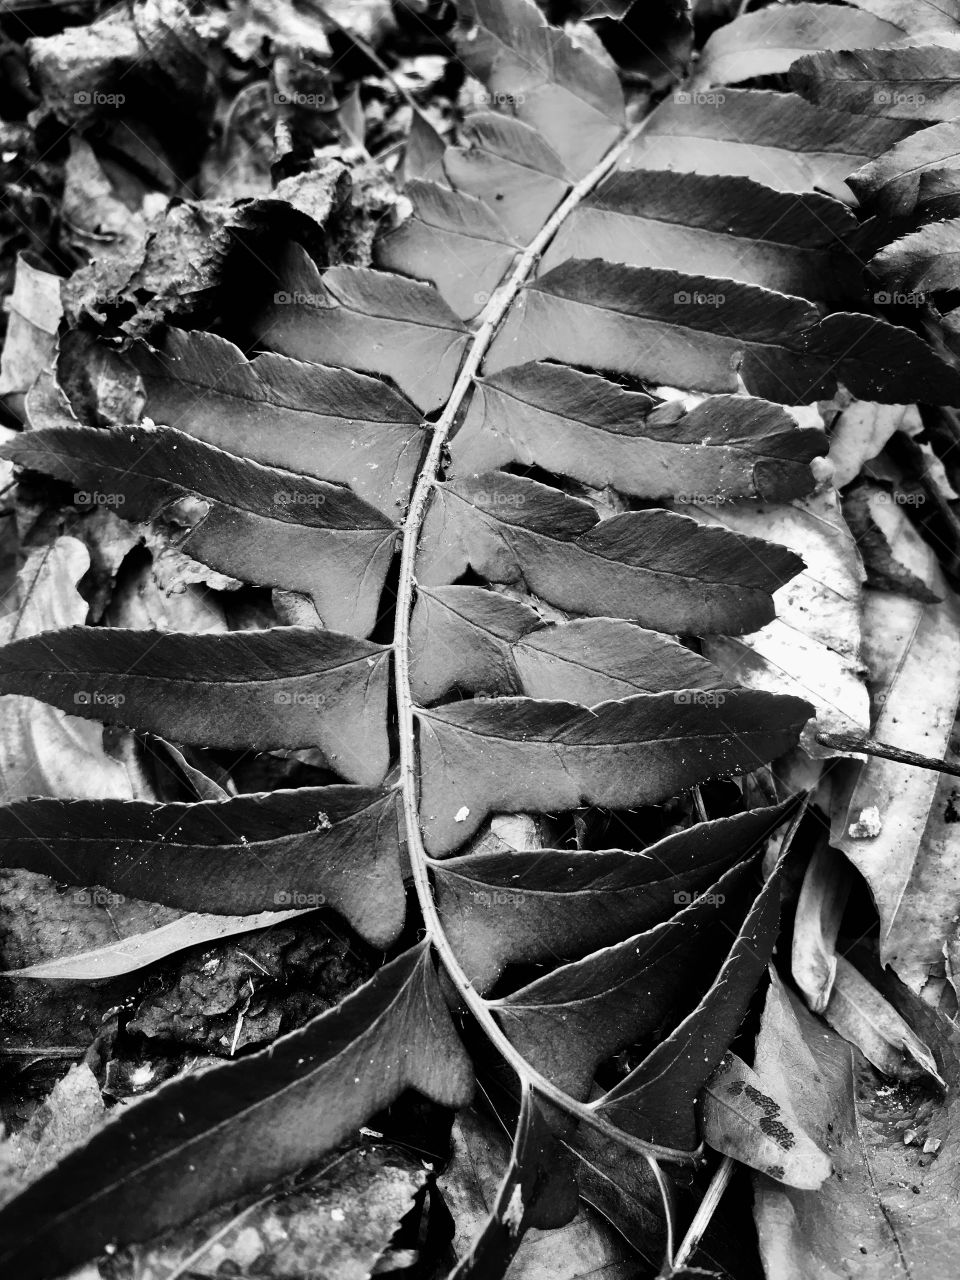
point(750, 1118)
point(129, 954)
point(861, 1015)
point(882, 1211)
point(880, 820)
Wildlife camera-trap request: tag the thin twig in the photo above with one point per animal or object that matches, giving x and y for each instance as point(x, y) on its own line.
point(700, 807)
point(701, 1219)
point(852, 742)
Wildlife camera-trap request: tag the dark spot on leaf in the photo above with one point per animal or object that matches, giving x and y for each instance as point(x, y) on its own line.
point(762, 1100)
point(779, 1132)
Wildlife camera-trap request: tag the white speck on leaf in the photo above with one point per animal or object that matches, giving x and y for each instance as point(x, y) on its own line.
point(462, 814)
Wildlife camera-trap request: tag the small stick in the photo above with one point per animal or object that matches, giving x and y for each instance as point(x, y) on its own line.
point(870, 747)
point(701, 1219)
point(700, 807)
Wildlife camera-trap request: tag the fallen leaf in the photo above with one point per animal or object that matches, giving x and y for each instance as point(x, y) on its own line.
point(750, 1118)
point(912, 878)
point(43, 751)
point(860, 432)
point(820, 906)
point(860, 1013)
point(31, 340)
point(71, 1114)
point(895, 556)
point(812, 647)
point(883, 1212)
point(127, 955)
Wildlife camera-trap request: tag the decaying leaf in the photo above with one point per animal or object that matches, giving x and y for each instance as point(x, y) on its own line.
point(867, 1215)
point(861, 1015)
point(746, 1116)
point(813, 646)
point(881, 819)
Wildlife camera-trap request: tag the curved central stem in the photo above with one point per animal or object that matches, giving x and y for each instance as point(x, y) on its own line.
point(490, 319)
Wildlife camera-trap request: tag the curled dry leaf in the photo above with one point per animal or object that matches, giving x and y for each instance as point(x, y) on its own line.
point(860, 432)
